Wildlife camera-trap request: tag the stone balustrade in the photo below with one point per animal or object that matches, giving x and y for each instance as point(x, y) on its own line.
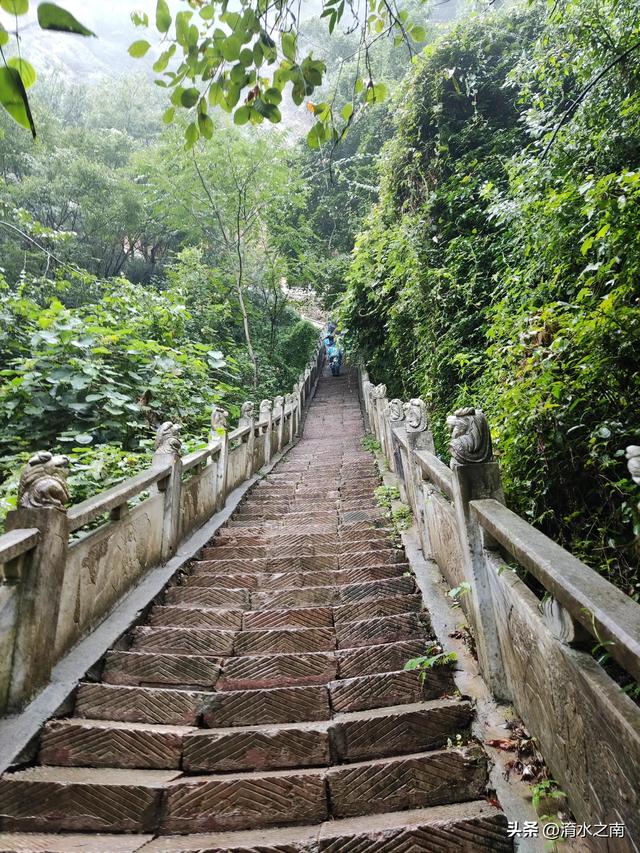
point(55, 588)
point(537, 641)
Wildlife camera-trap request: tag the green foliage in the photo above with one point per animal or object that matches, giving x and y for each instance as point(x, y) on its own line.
point(385, 495)
point(370, 443)
point(435, 657)
point(500, 266)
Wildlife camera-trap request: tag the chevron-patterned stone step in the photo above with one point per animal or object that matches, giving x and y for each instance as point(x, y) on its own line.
point(102, 743)
point(271, 563)
point(302, 617)
point(287, 579)
point(247, 800)
point(189, 641)
point(250, 748)
point(139, 704)
point(369, 660)
point(284, 640)
point(153, 669)
point(254, 671)
point(223, 576)
point(472, 827)
point(326, 596)
point(360, 559)
point(383, 629)
point(208, 597)
point(393, 605)
point(411, 781)
point(398, 730)
point(390, 688)
point(195, 617)
point(58, 799)
point(40, 842)
point(274, 705)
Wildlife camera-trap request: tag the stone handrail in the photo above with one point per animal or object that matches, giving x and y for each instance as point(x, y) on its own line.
point(56, 588)
point(113, 498)
point(604, 610)
point(539, 652)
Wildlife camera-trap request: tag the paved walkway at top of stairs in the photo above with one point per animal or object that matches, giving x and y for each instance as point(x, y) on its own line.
point(263, 706)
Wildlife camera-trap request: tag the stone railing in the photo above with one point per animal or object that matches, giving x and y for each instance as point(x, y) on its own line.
point(535, 649)
point(55, 588)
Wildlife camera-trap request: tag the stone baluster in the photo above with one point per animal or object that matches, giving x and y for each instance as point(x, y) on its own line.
point(266, 414)
point(218, 437)
point(477, 476)
point(278, 412)
point(167, 451)
point(247, 419)
point(43, 496)
point(394, 419)
point(418, 437)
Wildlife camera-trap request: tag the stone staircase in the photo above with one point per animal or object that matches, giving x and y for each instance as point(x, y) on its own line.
point(263, 706)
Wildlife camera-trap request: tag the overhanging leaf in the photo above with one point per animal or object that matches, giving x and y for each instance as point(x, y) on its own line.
point(52, 17)
point(13, 98)
point(25, 69)
point(163, 16)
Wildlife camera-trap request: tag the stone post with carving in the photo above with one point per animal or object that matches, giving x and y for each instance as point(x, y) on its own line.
point(378, 396)
point(278, 415)
point(167, 451)
point(218, 437)
point(43, 496)
point(394, 420)
point(477, 476)
point(418, 437)
point(266, 414)
point(247, 419)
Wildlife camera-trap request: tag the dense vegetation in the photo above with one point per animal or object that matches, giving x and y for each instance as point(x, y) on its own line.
point(500, 266)
point(139, 283)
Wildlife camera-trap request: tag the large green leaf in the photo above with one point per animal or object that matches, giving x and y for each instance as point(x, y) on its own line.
point(163, 16)
point(25, 69)
point(139, 48)
point(4, 36)
point(52, 17)
point(15, 7)
point(13, 98)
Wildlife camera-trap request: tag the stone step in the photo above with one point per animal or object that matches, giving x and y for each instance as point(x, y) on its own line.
point(189, 641)
point(251, 748)
point(410, 781)
point(327, 596)
point(370, 660)
point(140, 704)
point(176, 616)
point(278, 670)
point(470, 827)
point(284, 640)
point(106, 743)
point(392, 605)
point(244, 800)
point(40, 842)
point(303, 550)
point(383, 629)
point(79, 799)
point(301, 617)
point(266, 706)
point(260, 581)
point(364, 692)
point(212, 597)
point(153, 669)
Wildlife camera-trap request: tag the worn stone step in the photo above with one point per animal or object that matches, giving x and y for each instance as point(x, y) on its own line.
point(156, 669)
point(327, 596)
point(266, 706)
point(471, 827)
point(399, 729)
point(244, 800)
point(390, 688)
point(284, 640)
point(264, 581)
point(283, 548)
point(140, 704)
point(302, 563)
point(224, 577)
point(392, 605)
point(301, 617)
point(277, 670)
point(250, 748)
point(207, 597)
point(190, 641)
point(383, 629)
point(40, 842)
point(181, 616)
point(106, 743)
point(369, 660)
point(411, 781)
point(79, 799)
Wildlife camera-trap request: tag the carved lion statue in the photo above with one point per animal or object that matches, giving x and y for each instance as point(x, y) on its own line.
point(633, 462)
point(278, 403)
point(246, 412)
point(396, 410)
point(218, 418)
point(415, 412)
point(266, 406)
point(290, 399)
point(470, 437)
point(379, 391)
point(168, 438)
point(43, 482)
